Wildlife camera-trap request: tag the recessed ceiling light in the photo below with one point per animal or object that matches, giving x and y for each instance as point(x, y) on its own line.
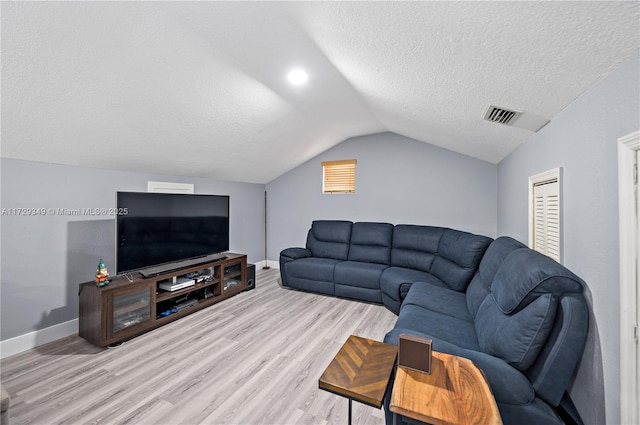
point(297, 77)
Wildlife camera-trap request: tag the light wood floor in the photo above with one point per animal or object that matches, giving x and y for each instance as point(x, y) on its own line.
point(252, 359)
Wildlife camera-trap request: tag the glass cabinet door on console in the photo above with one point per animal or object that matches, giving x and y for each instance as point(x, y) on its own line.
point(129, 308)
point(234, 277)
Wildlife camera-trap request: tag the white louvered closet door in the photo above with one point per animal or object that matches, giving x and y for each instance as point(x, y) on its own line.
point(546, 226)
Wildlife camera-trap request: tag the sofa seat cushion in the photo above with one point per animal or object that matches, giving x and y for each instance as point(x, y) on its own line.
point(393, 277)
point(313, 268)
point(516, 338)
point(440, 300)
point(507, 384)
point(362, 275)
point(526, 274)
point(452, 329)
point(429, 279)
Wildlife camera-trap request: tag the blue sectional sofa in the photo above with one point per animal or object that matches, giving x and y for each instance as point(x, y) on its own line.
point(520, 316)
point(378, 262)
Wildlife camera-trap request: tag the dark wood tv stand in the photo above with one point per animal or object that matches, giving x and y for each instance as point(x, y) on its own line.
point(131, 305)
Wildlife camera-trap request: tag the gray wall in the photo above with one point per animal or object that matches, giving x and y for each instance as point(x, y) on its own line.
point(44, 258)
point(583, 141)
point(398, 180)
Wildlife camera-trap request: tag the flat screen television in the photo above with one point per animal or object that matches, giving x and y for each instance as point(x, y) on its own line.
point(155, 229)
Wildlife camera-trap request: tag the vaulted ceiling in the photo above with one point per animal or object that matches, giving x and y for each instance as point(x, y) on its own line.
point(200, 88)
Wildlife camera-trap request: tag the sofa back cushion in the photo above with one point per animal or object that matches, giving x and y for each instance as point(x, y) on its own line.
point(459, 255)
point(450, 255)
point(371, 242)
point(516, 338)
point(329, 239)
point(525, 275)
point(520, 319)
point(491, 261)
point(415, 247)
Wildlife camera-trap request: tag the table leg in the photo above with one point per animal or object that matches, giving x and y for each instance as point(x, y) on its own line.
point(349, 411)
point(395, 419)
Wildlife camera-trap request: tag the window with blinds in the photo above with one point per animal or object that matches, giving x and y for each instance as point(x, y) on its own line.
point(339, 176)
point(544, 224)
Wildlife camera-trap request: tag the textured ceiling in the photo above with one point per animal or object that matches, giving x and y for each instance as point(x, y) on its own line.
point(199, 88)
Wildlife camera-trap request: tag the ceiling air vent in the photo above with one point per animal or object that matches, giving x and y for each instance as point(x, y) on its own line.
point(501, 115)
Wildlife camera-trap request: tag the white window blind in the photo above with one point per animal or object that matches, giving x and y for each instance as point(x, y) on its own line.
point(339, 176)
point(546, 218)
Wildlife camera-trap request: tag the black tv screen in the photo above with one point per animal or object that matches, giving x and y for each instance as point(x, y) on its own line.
point(163, 228)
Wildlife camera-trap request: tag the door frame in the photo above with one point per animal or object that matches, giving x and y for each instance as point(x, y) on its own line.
point(628, 228)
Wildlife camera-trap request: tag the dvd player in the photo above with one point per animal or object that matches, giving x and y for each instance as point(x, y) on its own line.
point(185, 305)
point(180, 283)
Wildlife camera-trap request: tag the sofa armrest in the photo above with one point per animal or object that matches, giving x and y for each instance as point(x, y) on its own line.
point(288, 255)
point(295, 253)
point(404, 290)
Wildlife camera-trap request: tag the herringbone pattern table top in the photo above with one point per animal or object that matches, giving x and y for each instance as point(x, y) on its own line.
point(361, 370)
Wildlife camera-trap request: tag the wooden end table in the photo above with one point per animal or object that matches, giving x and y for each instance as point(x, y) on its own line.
point(360, 371)
point(455, 393)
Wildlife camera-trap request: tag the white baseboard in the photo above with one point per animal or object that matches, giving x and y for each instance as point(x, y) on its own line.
point(259, 265)
point(31, 340)
point(272, 264)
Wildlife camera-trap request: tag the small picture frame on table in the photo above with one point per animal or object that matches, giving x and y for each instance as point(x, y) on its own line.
point(415, 353)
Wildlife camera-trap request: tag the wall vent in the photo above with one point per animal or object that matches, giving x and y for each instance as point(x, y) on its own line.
point(501, 115)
